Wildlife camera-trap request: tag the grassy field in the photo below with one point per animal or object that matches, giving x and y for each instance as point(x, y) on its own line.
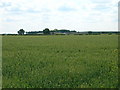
point(79, 61)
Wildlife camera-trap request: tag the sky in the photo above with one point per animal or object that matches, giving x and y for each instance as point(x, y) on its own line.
point(79, 15)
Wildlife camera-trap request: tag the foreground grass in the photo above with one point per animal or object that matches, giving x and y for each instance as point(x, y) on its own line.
point(60, 61)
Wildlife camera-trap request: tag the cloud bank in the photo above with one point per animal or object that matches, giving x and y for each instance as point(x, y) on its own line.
point(79, 15)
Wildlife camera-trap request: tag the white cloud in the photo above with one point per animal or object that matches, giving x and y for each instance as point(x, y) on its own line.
point(69, 14)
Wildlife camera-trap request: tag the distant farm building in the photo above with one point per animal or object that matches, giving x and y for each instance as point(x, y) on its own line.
point(34, 33)
point(63, 31)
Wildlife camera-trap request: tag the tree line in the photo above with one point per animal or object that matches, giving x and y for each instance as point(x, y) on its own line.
point(46, 31)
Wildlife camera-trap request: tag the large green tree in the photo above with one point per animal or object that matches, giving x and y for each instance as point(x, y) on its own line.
point(46, 31)
point(21, 32)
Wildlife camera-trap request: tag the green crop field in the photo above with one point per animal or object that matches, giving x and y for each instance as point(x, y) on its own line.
point(68, 61)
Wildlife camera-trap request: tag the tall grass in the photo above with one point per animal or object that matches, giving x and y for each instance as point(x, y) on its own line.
point(88, 61)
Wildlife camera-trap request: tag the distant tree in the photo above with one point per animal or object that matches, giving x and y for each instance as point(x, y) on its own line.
point(73, 31)
point(89, 32)
point(55, 30)
point(46, 31)
point(21, 32)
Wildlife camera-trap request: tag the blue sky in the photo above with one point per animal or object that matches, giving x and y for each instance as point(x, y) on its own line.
point(79, 15)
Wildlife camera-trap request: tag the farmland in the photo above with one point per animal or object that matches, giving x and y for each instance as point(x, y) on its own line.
point(68, 61)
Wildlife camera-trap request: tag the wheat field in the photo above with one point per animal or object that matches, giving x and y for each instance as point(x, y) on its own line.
point(60, 61)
